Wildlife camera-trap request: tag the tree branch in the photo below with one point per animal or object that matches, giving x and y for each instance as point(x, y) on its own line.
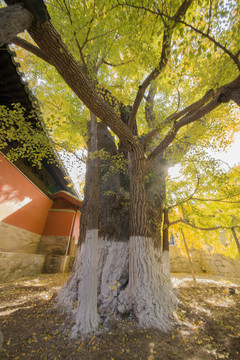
point(49, 41)
point(31, 48)
point(175, 116)
point(166, 43)
point(220, 96)
point(152, 76)
point(215, 42)
point(194, 191)
point(202, 228)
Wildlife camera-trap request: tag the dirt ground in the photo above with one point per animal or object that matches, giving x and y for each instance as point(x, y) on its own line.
point(207, 325)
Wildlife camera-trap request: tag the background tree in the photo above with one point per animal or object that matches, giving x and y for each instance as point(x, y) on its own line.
point(206, 203)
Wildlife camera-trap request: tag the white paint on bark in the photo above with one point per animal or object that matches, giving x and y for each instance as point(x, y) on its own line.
point(87, 318)
point(112, 272)
point(151, 295)
point(166, 264)
point(143, 289)
point(79, 294)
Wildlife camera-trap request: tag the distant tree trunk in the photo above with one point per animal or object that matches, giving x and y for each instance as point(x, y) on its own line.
point(236, 238)
point(156, 196)
point(79, 294)
point(165, 247)
point(189, 258)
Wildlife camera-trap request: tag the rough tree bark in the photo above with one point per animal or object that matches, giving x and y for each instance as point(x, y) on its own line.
point(79, 294)
point(148, 295)
point(113, 227)
point(114, 230)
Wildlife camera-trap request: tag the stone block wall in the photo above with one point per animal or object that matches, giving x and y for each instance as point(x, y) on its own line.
point(14, 265)
point(214, 264)
point(218, 264)
point(15, 239)
point(57, 263)
point(50, 244)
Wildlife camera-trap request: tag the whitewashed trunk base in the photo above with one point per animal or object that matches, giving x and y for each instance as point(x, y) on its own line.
point(79, 294)
point(152, 297)
point(113, 274)
point(137, 286)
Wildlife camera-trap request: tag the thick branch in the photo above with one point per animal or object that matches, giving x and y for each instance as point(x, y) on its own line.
point(13, 20)
point(149, 113)
point(188, 110)
point(51, 44)
point(195, 115)
point(30, 47)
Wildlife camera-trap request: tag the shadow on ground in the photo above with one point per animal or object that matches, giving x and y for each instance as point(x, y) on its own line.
point(207, 325)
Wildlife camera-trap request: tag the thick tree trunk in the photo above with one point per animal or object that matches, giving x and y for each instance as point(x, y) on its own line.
point(79, 294)
point(113, 226)
point(151, 297)
point(148, 295)
point(138, 288)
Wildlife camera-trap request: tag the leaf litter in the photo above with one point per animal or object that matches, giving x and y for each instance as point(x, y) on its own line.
point(207, 324)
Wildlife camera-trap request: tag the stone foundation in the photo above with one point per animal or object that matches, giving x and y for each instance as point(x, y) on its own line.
point(14, 239)
point(53, 245)
point(17, 265)
point(57, 263)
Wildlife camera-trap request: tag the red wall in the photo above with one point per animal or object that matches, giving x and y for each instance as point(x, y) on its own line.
point(22, 204)
point(59, 223)
point(76, 228)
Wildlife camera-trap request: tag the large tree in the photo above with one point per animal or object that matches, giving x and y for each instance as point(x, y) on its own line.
point(173, 49)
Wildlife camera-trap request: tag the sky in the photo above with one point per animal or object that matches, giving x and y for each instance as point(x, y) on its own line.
point(232, 155)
